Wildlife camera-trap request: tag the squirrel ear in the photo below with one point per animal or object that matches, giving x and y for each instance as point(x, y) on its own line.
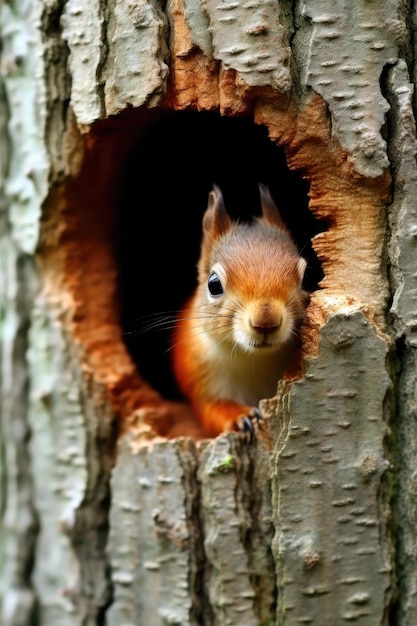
point(216, 220)
point(269, 209)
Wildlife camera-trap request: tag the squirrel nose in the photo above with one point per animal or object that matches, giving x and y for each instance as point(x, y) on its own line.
point(266, 326)
point(265, 319)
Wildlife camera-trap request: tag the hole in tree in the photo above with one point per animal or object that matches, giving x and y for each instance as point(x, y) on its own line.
point(168, 177)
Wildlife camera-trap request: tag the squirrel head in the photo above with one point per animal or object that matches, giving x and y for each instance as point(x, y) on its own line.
point(250, 277)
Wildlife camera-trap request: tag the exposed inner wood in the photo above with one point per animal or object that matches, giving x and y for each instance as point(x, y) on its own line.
point(78, 259)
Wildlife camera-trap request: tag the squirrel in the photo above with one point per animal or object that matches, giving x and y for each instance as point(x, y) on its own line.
point(238, 333)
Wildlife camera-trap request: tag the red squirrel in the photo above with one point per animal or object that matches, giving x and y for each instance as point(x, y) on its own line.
point(236, 336)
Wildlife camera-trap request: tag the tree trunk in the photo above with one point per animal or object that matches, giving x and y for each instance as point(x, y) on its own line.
point(113, 120)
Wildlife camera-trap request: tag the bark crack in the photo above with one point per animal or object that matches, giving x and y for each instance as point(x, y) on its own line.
point(57, 84)
point(400, 404)
point(201, 611)
point(89, 534)
point(257, 498)
point(104, 51)
point(21, 518)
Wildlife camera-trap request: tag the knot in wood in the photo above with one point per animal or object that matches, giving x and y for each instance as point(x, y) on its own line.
point(342, 340)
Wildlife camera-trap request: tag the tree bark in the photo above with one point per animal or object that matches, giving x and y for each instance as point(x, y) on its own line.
point(114, 509)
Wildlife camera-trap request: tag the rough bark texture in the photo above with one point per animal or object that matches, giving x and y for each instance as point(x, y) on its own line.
point(191, 543)
point(105, 517)
point(402, 250)
point(333, 559)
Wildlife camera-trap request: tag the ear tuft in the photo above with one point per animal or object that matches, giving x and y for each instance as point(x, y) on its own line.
point(216, 220)
point(269, 210)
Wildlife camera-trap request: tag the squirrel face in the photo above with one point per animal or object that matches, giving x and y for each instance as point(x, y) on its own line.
point(250, 294)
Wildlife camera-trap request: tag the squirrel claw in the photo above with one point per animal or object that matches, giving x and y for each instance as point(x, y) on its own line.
point(255, 415)
point(246, 423)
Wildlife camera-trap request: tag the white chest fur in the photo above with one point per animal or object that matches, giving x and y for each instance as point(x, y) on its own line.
point(244, 377)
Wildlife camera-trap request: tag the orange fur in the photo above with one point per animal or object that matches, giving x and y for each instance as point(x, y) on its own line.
point(231, 348)
point(215, 415)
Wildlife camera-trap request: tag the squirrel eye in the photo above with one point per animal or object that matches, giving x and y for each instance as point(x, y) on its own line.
point(214, 285)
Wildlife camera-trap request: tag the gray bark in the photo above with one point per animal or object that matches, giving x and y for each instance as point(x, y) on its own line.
point(315, 521)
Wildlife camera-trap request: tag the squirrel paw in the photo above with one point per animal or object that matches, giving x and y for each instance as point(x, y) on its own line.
point(247, 422)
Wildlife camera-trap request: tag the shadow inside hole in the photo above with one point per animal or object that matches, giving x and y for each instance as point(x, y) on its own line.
point(168, 177)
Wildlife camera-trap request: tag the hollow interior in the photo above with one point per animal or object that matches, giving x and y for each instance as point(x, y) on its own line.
point(168, 176)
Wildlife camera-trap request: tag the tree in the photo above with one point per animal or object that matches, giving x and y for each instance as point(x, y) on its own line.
point(108, 515)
